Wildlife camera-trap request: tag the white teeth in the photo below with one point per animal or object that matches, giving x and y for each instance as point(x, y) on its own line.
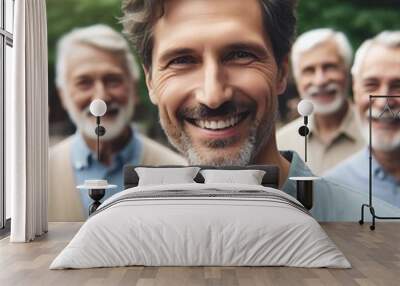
point(217, 124)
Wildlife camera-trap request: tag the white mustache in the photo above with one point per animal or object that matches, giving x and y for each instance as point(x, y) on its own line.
point(329, 88)
point(113, 106)
point(377, 113)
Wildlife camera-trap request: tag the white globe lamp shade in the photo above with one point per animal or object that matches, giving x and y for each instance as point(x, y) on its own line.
point(98, 107)
point(305, 107)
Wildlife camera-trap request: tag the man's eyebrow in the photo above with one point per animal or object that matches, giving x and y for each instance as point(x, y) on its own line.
point(370, 79)
point(307, 67)
point(81, 76)
point(258, 49)
point(174, 52)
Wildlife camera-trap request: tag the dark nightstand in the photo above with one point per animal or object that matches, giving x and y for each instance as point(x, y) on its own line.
point(97, 190)
point(304, 190)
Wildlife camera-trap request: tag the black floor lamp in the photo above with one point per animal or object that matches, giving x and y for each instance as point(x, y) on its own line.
point(369, 205)
point(304, 185)
point(97, 187)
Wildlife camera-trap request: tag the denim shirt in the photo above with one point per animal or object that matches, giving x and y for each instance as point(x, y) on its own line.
point(334, 201)
point(87, 167)
point(354, 172)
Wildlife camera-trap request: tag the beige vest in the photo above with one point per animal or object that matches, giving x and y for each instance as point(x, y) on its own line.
point(323, 156)
point(64, 201)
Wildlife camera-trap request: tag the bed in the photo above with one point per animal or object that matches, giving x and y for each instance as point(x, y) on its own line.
point(201, 223)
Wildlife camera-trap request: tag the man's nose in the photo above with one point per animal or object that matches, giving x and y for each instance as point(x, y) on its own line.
point(384, 89)
point(320, 77)
point(214, 91)
point(100, 91)
point(383, 103)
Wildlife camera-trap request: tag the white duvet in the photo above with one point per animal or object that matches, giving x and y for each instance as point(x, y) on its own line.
point(223, 224)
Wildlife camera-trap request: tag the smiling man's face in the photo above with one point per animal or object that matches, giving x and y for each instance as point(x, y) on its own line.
point(322, 77)
point(380, 75)
point(215, 79)
point(93, 73)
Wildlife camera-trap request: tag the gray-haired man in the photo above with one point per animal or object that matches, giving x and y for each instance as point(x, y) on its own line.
point(95, 62)
point(321, 61)
point(376, 71)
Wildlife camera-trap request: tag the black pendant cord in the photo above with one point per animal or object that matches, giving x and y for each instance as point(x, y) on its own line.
point(98, 138)
point(306, 131)
point(370, 206)
point(305, 148)
point(98, 149)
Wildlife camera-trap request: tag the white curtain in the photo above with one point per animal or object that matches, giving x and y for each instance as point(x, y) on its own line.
point(27, 123)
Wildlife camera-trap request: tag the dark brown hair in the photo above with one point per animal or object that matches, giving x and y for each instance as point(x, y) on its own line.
point(139, 17)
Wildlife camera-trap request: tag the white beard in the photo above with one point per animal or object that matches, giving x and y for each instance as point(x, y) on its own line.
point(86, 123)
point(329, 108)
point(326, 108)
point(381, 140)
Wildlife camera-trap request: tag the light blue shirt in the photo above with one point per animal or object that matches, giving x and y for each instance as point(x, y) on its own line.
point(87, 167)
point(334, 201)
point(354, 172)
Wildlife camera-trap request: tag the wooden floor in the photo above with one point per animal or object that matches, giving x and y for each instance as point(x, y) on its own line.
point(375, 257)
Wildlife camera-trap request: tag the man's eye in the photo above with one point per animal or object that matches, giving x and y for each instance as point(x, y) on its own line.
point(182, 60)
point(242, 56)
point(370, 86)
point(84, 84)
point(329, 67)
point(395, 87)
point(113, 80)
point(308, 71)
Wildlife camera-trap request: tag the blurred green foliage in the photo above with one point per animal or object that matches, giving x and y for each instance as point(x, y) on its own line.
point(64, 15)
point(359, 19)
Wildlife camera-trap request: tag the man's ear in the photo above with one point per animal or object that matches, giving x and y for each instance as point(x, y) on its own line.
point(353, 86)
point(356, 90)
point(149, 83)
point(283, 73)
point(61, 96)
point(135, 93)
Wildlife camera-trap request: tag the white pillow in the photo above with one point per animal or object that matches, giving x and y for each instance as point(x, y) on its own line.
point(248, 177)
point(162, 176)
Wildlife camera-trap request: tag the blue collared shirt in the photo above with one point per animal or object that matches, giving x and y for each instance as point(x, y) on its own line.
point(354, 172)
point(87, 167)
point(334, 201)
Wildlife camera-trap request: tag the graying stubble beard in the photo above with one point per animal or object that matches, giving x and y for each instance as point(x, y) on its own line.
point(260, 132)
point(240, 159)
point(378, 142)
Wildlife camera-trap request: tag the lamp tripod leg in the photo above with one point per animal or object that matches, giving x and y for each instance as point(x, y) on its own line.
point(361, 221)
point(372, 210)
